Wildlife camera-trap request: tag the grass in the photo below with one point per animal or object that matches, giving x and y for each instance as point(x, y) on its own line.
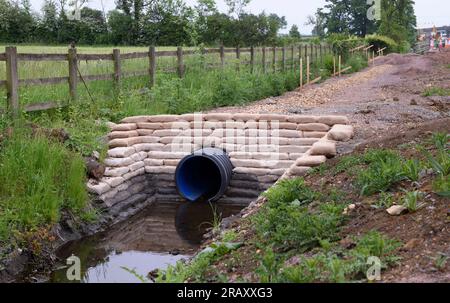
point(332, 265)
point(38, 179)
point(436, 91)
point(412, 201)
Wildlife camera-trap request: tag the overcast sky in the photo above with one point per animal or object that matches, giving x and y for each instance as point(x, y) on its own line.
point(429, 12)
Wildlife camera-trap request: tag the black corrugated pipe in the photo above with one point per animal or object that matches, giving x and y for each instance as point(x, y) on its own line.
point(204, 175)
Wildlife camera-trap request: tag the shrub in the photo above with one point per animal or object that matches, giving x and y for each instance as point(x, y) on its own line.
point(379, 42)
point(357, 62)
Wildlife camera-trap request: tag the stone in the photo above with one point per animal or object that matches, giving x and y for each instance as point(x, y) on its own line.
point(113, 182)
point(286, 133)
point(163, 118)
point(147, 139)
point(145, 132)
point(123, 134)
point(341, 132)
point(124, 127)
point(218, 117)
point(116, 172)
point(311, 161)
point(273, 117)
point(171, 162)
point(189, 117)
point(137, 165)
point(302, 119)
point(288, 125)
point(397, 210)
point(325, 148)
point(295, 156)
point(332, 120)
point(151, 126)
point(166, 155)
point(298, 170)
point(137, 119)
point(154, 162)
point(160, 169)
point(413, 102)
point(98, 188)
point(258, 171)
point(119, 162)
point(302, 141)
point(294, 149)
point(318, 135)
point(110, 125)
point(133, 174)
point(166, 133)
point(121, 152)
point(246, 117)
point(314, 127)
point(139, 156)
point(147, 147)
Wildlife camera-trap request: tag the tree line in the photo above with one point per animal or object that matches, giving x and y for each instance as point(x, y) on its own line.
point(142, 22)
point(396, 19)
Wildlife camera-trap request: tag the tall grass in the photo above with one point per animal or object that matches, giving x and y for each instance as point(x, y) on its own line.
point(38, 178)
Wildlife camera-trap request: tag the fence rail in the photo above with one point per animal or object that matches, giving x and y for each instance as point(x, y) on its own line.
point(12, 82)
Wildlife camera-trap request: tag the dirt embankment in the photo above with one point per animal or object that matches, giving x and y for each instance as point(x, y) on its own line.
point(378, 100)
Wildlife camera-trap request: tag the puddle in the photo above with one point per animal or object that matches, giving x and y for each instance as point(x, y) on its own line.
point(161, 235)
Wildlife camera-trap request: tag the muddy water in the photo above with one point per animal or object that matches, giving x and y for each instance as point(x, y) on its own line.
point(161, 235)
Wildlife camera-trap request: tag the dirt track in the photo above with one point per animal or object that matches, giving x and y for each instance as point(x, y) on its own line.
point(385, 96)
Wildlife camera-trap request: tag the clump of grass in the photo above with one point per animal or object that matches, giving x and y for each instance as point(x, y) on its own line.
point(384, 169)
point(336, 265)
point(347, 164)
point(286, 221)
point(440, 261)
point(385, 200)
point(412, 201)
point(436, 91)
point(411, 169)
point(38, 178)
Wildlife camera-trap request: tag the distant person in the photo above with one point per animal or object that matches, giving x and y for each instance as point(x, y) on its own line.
point(437, 40)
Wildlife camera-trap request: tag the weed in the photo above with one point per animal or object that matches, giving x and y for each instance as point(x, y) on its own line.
point(347, 163)
point(269, 267)
point(385, 169)
point(440, 140)
point(290, 190)
point(436, 91)
point(411, 169)
point(441, 186)
point(440, 261)
point(411, 201)
point(385, 200)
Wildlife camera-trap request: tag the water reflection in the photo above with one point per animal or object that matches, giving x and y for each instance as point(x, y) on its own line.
point(160, 235)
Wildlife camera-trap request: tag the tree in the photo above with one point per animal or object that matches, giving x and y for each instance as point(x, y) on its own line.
point(294, 33)
point(48, 24)
point(398, 20)
point(237, 7)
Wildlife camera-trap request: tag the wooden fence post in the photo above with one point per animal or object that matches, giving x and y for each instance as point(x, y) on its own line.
point(340, 65)
point(152, 65)
point(117, 68)
point(307, 69)
point(180, 62)
point(301, 72)
point(283, 58)
point(238, 58)
point(321, 54)
point(264, 59)
point(299, 53)
point(311, 52)
point(222, 55)
point(12, 81)
point(334, 65)
point(293, 58)
point(73, 73)
point(306, 51)
point(274, 60)
point(252, 59)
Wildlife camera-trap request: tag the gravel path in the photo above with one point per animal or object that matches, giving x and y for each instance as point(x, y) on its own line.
point(382, 97)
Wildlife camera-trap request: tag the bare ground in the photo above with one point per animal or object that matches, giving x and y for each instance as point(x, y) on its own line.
point(379, 99)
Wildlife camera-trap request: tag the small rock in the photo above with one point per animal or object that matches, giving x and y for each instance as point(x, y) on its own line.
point(396, 99)
point(96, 155)
point(413, 102)
point(396, 210)
point(349, 208)
point(95, 169)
